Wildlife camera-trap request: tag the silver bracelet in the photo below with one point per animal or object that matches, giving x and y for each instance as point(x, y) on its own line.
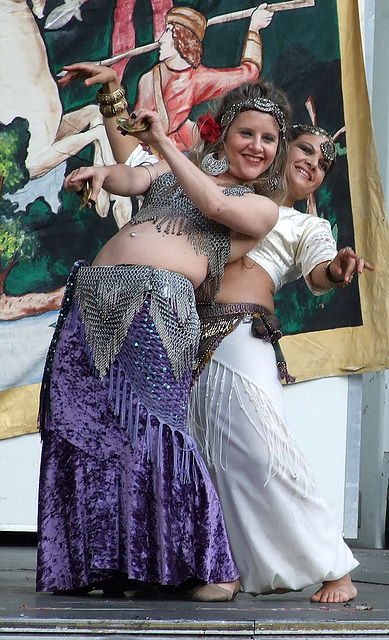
point(146, 166)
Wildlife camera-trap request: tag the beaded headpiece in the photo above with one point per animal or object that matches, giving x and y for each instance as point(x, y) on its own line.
point(328, 147)
point(256, 104)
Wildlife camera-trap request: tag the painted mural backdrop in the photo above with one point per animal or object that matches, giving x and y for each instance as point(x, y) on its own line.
point(46, 132)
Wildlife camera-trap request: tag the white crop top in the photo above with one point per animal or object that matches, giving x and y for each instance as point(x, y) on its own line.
point(295, 245)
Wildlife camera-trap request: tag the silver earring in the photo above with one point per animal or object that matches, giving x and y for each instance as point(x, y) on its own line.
point(272, 184)
point(213, 165)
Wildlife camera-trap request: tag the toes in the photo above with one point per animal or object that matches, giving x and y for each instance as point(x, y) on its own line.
point(329, 597)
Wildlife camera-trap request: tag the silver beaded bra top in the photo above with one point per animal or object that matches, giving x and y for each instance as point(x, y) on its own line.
point(168, 206)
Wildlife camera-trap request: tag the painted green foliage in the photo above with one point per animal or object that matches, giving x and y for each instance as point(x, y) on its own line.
point(300, 54)
point(14, 139)
point(38, 245)
point(14, 244)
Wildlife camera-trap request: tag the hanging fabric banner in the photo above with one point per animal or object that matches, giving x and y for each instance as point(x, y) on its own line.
point(309, 48)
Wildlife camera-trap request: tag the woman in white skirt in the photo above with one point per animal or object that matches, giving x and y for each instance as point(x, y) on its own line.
point(282, 532)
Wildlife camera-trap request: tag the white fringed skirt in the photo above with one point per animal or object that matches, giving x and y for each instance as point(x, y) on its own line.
point(282, 532)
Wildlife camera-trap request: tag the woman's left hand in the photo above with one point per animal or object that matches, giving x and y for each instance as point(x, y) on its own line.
point(346, 263)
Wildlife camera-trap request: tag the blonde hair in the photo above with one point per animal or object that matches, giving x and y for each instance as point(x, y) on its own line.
point(271, 182)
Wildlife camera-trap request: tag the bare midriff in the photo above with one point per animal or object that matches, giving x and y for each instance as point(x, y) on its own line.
point(245, 281)
point(144, 244)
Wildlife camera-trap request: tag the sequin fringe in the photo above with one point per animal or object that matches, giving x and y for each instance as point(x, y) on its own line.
point(109, 298)
point(169, 208)
point(127, 405)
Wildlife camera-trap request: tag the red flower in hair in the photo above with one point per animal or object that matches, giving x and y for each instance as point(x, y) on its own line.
point(209, 128)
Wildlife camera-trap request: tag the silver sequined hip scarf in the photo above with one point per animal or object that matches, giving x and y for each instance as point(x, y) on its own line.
point(108, 298)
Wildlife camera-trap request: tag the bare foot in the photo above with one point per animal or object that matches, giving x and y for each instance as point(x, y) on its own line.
point(341, 590)
point(220, 592)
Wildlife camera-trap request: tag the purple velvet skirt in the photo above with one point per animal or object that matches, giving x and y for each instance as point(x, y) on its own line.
point(122, 485)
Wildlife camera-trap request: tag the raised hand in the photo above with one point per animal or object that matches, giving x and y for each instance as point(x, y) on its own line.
point(145, 125)
point(93, 74)
point(260, 18)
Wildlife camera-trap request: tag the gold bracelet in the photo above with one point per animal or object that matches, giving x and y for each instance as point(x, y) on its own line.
point(330, 279)
point(112, 110)
point(111, 98)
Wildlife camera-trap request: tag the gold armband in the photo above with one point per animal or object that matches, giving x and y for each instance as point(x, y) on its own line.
point(252, 50)
point(111, 98)
point(115, 109)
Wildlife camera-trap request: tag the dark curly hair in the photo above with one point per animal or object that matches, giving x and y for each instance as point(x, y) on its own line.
point(187, 44)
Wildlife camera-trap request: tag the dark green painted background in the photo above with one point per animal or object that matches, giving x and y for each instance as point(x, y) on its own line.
point(301, 55)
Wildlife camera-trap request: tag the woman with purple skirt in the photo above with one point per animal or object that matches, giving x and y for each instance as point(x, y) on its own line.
point(124, 494)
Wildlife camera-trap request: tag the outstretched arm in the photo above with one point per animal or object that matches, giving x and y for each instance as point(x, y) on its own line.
point(119, 179)
point(94, 74)
point(339, 271)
